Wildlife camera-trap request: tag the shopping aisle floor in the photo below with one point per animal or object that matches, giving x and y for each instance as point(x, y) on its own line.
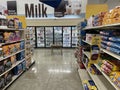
point(50, 72)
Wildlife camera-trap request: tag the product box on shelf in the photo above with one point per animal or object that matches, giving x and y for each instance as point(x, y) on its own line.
point(7, 64)
point(14, 23)
point(95, 52)
point(94, 70)
point(8, 77)
point(1, 52)
point(93, 39)
point(3, 21)
point(115, 77)
point(6, 51)
point(20, 55)
point(24, 65)
point(2, 68)
point(89, 85)
point(13, 59)
point(1, 37)
point(22, 45)
point(112, 16)
point(11, 36)
point(18, 69)
point(108, 67)
point(2, 83)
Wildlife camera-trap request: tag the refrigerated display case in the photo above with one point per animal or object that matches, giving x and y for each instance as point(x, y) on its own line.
point(74, 36)
point(66, 36)
point(58, 35)
point(40, 36)
point(49, 36)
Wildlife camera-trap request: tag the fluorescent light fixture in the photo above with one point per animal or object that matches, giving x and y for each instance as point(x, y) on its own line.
point(59, 71)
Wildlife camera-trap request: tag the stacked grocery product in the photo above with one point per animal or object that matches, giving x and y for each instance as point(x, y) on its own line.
point(78, 55)
point(98, 19)
point(10, 23)
point(28, 48)
point(89, 85)
point(8, 64)
point(3, 21)
point(94, 70)
point(10, 36)
point(113, 16)
point(12, 50)
point(14, 23)
point(110, 41)
point(115, 77)
point(109, 66)
point(105, 18)
point(93, 39)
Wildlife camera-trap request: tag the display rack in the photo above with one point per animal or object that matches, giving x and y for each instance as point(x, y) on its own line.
point(102, 27)
point(13, 79)
point(28, 48)
point(4, 58)
point(103, 82)
point(83, 76)
point(32, 37)
point(107, 77)
point(111, 54)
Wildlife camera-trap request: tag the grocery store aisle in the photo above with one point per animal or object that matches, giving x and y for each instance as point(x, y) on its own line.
point(51, 72)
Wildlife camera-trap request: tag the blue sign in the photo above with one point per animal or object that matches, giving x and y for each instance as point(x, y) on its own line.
point(52, 3)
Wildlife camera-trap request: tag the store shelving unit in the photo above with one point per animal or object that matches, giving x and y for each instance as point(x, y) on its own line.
point(14, 65)
point(11, 42)
point(103, 82)
point(1, 59)
point(87, 54)
point(98, 80)
point(28, 48)
point(83, 76)
point(111, 54)
point(13, 79)
point(107, 77)
point(102, 27)
point(4, 58)
point(86, 42)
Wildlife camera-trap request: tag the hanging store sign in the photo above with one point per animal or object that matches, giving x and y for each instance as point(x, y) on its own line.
point(32, 10)
point(12, 7)
point(65, 7)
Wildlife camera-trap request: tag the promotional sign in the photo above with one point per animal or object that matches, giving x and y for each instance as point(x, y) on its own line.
point(65, 7)
point(12, 7)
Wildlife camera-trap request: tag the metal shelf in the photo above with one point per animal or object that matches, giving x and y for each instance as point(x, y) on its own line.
point(86, 42)
point(100, 81)
point(11, 29)
point(13, 79)
point(11, 55)
point(14, 65)
point(111, 53)
point(103, 26)
point(11, 42)
point(87, 54)
point(107, 77)
point(83, 75)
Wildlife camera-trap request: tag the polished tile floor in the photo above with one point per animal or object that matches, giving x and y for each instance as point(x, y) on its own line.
point(51, 72)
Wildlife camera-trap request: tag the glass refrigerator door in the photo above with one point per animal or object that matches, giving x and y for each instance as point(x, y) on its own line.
point(49, 36)
point(58, 35)
point(74, 37)
point(66, 36)
point(40, 36)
